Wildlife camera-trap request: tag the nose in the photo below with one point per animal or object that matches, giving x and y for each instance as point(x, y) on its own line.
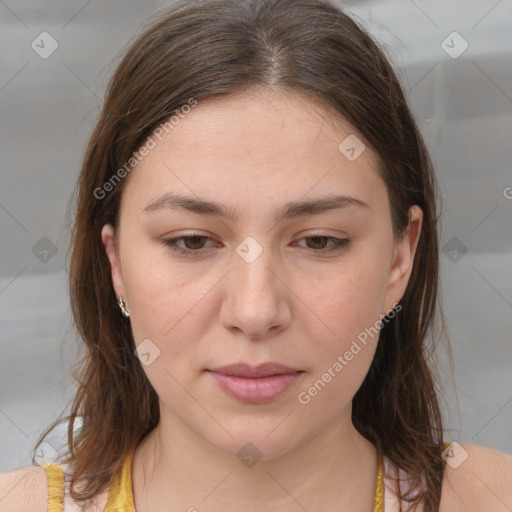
point(256, 299)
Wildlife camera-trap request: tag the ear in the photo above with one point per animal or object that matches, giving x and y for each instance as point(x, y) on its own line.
point(109, 241)
point(403, 260)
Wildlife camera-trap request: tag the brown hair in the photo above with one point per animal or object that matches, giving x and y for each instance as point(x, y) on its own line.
point(212, 49)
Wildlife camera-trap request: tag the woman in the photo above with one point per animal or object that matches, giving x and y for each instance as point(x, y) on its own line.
point(254, 273)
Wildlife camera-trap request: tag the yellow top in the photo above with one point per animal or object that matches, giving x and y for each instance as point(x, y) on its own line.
point(120, 495)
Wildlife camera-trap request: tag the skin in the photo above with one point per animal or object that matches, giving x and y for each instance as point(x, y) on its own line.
point(291, 305)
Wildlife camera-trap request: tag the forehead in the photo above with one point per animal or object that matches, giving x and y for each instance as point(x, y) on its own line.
point(264, 120)
point(260, 145)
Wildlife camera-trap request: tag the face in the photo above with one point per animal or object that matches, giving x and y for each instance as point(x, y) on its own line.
point(270, 273)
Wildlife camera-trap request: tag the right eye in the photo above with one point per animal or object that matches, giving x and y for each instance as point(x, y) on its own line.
point(196, 241)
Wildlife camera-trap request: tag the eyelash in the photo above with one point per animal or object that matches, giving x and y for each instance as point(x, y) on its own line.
point(171, 243)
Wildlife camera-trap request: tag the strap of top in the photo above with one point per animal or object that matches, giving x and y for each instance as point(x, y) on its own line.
point(378, 504)
point(55, 476)
point(120, 496)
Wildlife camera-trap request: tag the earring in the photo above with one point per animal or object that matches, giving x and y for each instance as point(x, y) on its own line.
point(125, 312)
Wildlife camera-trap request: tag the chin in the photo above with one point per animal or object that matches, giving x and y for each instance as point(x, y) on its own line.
point(252, 444)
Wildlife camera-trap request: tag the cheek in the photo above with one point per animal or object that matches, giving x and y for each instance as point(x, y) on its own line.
point(156, 286)
point(342, 322)
point(346, 301)
point(166, 306)
point(343, 353)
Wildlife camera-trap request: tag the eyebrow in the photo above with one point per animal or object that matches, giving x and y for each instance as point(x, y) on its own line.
point(290, 210)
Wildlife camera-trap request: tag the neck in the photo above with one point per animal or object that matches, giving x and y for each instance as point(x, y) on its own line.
point(175, 469)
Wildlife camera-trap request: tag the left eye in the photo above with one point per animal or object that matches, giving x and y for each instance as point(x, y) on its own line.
point(321, 239)
point(197, 243)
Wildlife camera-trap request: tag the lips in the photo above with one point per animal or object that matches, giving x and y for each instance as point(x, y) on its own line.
point(262, 370)
point(255, 385)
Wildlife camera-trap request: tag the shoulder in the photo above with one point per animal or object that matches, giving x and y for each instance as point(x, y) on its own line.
point(476, 478)
point(24, 490)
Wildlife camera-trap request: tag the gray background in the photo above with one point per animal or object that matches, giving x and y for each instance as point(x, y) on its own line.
point(47, 110)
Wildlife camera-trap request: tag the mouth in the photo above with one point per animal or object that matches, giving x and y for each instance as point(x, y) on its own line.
point(255, 385)
point(263, 370)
